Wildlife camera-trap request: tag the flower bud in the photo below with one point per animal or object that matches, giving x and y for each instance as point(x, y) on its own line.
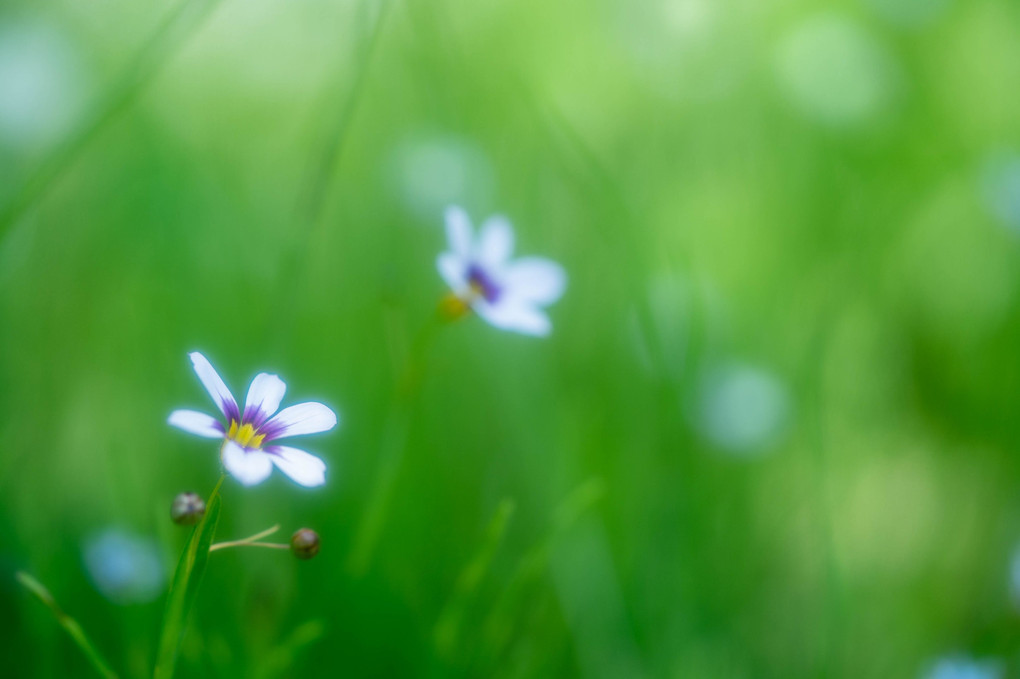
point(187, 509)
point(304, 543)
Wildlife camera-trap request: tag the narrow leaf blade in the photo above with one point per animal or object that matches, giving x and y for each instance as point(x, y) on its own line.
point(184, 588)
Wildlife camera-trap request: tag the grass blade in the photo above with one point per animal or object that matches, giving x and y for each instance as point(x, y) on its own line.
point(184, 588)
point(67, 622)
point(447, 632)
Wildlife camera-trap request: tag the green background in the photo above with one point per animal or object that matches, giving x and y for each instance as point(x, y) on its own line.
point(809, 192)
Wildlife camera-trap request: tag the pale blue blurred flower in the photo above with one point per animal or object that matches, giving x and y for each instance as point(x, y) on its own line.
point(507, 294)
point(1000, 188)
point(959, 667)
point(433, 172)
point(246, 435)
point(125, 568)
point(741, 408)
point(41, 78)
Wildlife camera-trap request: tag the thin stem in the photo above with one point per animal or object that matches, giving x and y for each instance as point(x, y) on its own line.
point(392, 448)
point(184, 586)
point(243, 543)
point(67, 622)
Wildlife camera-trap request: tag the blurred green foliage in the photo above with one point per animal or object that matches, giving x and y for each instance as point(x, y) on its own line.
point(810, 194)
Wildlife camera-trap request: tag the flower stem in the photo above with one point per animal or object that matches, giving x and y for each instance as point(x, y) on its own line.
point(392, 448)
point(184, 587)
point(244, 541)
point(67, 622)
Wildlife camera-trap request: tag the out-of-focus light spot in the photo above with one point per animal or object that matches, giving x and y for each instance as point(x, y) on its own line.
point(681, 48)
point(41, 90)
point(742, 409)
point(125, 568)
point(835, 72)
point(1000, 187)
point(1014, 578)
point(434, 172)
point(911, 13)
point(964, 668)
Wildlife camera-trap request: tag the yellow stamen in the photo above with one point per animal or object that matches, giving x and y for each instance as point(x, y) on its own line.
point(245, 435)
point(453, 307)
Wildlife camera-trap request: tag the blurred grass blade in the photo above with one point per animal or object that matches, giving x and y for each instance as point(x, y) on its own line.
point(507, 613)
point(172, 32)
point(68, 623)
point(281, 659)
point(447, 631)
point(184, 588)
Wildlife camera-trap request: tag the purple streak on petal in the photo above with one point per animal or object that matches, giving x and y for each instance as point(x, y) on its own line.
point(272, 431)
point(478, 278)
point(255, 416)
point(230, 409)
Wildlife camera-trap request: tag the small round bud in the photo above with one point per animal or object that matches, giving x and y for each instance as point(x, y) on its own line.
point(304, 543)
point(187, 509)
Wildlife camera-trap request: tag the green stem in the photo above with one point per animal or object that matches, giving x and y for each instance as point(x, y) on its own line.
point(391, 453)
point(251, 540)
point(67, 622)
point(184, 588)
point(242, 543)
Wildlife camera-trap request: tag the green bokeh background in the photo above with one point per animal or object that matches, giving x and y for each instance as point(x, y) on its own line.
point(798, 187)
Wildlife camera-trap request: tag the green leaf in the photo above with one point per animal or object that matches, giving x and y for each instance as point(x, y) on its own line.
point(68, 623)
point(184, 588)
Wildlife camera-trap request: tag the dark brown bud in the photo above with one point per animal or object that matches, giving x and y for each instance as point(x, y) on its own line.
point(304, 543)
point(187, 509)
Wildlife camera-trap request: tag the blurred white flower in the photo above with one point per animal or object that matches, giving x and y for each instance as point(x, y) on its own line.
point(125, 568)
point(41, 91)
point(1000, 186)
point(507, 294)
point(957, 667)
point(246, 452)
point(742, 409)
point(432, 172)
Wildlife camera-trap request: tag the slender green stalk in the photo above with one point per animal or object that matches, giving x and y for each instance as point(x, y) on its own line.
point(250, 540)
point(447, 632)
point(391, 452)
point(184, 588)
point(164, 43)
point(242, 543)
point(68, 623)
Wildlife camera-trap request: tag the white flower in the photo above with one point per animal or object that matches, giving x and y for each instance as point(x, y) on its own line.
point(246, 451)
point(507, 294)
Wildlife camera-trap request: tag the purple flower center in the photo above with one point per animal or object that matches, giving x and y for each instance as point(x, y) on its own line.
point(482, 284)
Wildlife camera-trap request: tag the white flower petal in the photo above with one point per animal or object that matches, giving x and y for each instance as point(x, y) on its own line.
point(264, 396)
point(303, 418)
point(535, 279)
point(302, 467)
point(458, 231)
point(247, 466)
point(496, 242)
point(196, 423)
point(213, 383)
point(453, 270)
point(515, 315)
